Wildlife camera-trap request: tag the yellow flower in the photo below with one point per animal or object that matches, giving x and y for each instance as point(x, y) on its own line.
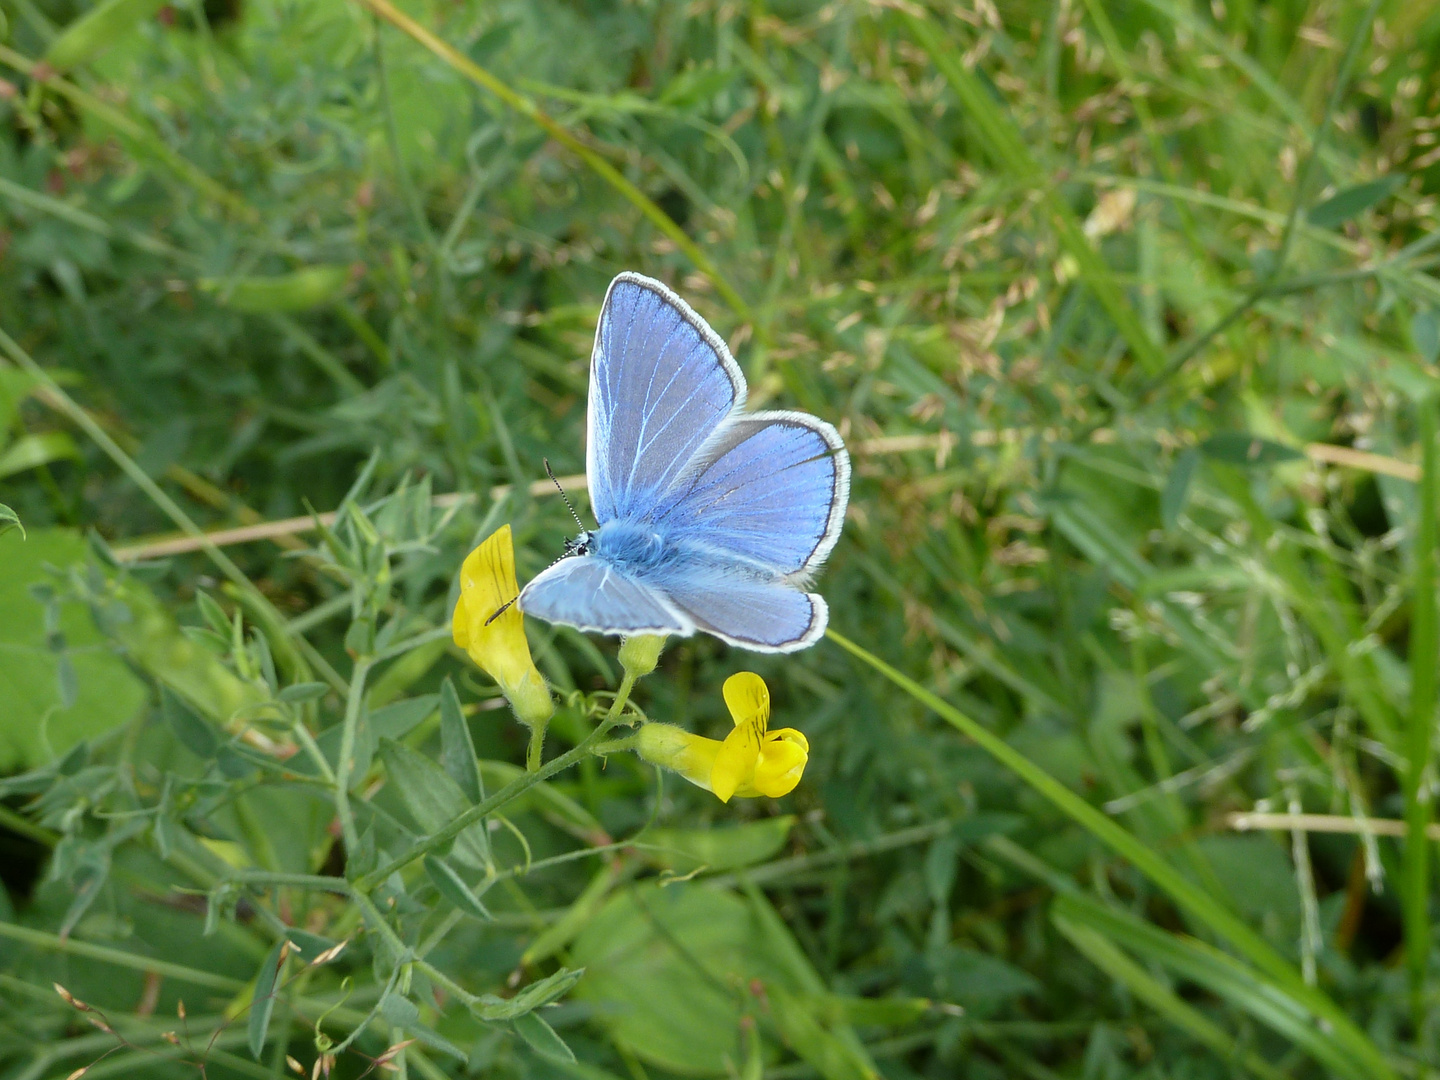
point(752, 761)
point(497, 642)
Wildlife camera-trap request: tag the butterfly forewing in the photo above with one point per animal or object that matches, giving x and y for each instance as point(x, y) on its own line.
point(661, 382)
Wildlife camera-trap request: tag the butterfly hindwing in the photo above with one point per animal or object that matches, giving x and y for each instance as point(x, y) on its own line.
point(745, 611)
point(661, 383)
point(768, 489)
point(592, 595)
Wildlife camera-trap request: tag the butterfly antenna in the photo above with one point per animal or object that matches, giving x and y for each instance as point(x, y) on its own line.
point(568, 505)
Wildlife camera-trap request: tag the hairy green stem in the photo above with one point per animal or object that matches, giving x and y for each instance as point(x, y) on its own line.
point(354, 701)
point(509, 792)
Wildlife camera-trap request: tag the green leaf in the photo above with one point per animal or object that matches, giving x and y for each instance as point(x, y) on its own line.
point(539, 993)
point(457, 751)
point(1425, 333)
point(662, 963)
point(1240, 448)
point(405, 1014)
point(730, 848)
point(31, 451)
point(197, 736)
point(262, 1005)
point(1279, 973)
point(305, 691)
point(10, 520)
point(1353, 201)
point(433, 799)
point(37, 724)
point(400, 1010)
point(542, 1038)
point(563, 930)
point(1115, 963)
point(453, 888)
point(1221, 974)
point(297, 291)
point(97, 30)
point(1177, 487)
point(396, 720)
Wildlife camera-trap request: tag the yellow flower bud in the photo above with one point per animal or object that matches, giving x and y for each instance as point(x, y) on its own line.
point(752, 761)
point(497, 642)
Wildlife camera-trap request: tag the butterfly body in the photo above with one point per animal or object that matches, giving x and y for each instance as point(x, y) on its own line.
point(710, 518)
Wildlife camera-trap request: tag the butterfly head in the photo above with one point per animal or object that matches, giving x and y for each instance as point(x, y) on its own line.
point(581, 545)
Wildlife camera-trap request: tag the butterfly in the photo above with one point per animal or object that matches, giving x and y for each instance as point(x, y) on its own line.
point(710, 518)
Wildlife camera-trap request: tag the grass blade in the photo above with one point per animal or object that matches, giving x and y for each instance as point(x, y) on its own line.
point(1004, 143)
point(1180, 889)
point(1092, 927)
point(1415, 888)
point(602, 168)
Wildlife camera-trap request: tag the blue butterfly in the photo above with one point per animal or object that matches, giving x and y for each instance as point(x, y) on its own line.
point(710, 518)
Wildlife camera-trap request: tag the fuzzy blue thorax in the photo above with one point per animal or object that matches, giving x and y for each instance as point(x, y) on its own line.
point(627, 545)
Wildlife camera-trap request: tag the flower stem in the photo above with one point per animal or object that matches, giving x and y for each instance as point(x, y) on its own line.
point(536, 748)
point(510, 791)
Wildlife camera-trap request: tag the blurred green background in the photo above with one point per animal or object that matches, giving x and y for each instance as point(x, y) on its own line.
point(1126, 312)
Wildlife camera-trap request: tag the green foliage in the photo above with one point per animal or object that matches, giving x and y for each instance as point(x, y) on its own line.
point(1127, 314)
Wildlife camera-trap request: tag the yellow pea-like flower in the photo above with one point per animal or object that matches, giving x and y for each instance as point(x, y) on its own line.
point(752, 760)
point(497, 642)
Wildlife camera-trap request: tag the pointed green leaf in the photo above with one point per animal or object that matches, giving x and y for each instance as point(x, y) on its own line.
point(542, 1038)
point(1354, 201)
point(263, 1003)
point(10, 520)
point(1177, 488)
point(457, 751)
point(305, 691)
point(453, 888)
point(432, 798)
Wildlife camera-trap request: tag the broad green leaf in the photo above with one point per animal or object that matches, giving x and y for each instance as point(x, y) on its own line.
point(1354, 201)
point(1425, 333)
point(96, 30)
point(37, 724)
point(197, 736)
point(1240, 448)
point(398, 719)
point(729, 848)
point(662, 966)
point(432, 798)
point(10, 520)
point(296, 291)
point(30, 451)
point(563, 930)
